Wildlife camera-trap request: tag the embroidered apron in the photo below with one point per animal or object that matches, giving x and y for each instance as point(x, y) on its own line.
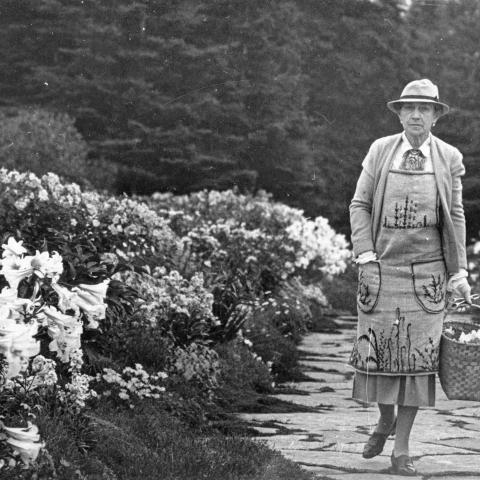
point(401, 298)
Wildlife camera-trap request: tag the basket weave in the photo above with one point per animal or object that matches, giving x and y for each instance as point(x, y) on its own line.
point(459, 369)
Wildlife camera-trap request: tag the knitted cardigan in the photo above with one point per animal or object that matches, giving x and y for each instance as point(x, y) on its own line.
point(366, 205)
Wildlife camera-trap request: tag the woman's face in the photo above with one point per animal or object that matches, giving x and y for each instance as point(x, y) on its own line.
point(417, 118)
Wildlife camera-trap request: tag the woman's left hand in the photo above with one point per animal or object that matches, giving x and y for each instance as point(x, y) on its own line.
point(460, 287)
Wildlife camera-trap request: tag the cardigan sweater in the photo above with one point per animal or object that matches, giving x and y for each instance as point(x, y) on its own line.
point(366, 205)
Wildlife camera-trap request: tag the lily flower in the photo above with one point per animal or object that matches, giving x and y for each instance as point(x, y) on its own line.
point(26, 441)
point(17, 345)
point(91, 295)
point(13, 248)
point(90, 299)
point(8, 298)
point(65, 298)
point(45, 265)
point(65, 332)
point(15, 269)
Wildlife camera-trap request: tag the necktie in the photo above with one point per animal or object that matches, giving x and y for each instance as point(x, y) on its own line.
point(413, 159)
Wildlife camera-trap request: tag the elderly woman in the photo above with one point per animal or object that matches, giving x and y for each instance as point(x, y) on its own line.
point(408, 235)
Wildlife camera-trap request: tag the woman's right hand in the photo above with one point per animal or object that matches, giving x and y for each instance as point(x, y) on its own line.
point(366, 257)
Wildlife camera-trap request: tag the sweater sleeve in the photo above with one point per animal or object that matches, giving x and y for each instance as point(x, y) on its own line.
point(361, 207)
point(456, 212)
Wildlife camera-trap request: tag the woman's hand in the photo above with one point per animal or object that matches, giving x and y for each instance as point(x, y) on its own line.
point(366, 257)
point(458, 285)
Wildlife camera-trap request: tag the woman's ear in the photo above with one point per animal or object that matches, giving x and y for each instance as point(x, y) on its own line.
point(437, 114)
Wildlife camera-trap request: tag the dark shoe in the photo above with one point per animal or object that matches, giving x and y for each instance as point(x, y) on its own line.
point(403, 465)
point(376, 442)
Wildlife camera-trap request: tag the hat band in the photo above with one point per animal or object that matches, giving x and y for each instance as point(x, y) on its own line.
point(423, 97)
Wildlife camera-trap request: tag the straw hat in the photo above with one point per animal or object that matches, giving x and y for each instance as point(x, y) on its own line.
point(423, 91)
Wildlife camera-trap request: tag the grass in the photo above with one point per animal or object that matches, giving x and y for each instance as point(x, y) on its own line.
point(151, 444)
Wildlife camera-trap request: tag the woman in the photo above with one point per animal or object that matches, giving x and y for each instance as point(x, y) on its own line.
point(408, 235)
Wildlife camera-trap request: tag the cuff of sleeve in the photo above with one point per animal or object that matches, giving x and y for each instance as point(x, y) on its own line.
point(362, 247)
point(460, 274)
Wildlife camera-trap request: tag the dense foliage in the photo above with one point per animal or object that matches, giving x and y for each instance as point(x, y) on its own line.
point(287, 96)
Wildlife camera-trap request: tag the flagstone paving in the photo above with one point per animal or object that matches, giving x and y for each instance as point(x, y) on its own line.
point(445, 440)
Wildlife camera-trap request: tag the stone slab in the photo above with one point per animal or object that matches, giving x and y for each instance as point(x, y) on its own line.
point(434, 464)
point(331, 367)
point(292, 442)
point(317, 400)
point(315, 386)
point(329, 472)
point(469, 443)
point(467, 411)
point(327, 377)
point(343, 437)
point(266, 430)
point(457, 477)
point(368, 476)
point(348, 462)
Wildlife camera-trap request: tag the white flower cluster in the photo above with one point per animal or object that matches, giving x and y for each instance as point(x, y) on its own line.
point(318, 241)
point(167, 294)
point(26, 188)
point(140, 228)
point(282, 230)
point(132, 383)
point(471, 337)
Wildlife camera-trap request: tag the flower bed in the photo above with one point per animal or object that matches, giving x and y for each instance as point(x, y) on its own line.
point(124, 301)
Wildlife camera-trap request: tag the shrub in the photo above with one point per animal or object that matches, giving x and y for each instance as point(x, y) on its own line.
point(271, 346)
point(242, 374)
point(341, 290)
point(41, 141)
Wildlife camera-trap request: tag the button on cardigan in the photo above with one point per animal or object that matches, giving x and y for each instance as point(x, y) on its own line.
point(366, 205)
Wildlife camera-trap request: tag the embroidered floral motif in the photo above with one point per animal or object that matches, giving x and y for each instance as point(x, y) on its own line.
point(363, 292)
point(391, 351)
point(405, 216)
point(434, 292)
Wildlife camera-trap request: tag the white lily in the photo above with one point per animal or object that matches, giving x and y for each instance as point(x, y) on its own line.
point(17, 344)
point(48, 265)
point(55, 316)
point(23, 342)
point(90, 299)
point(94, 294)
point(21, 433)
point(15, 269)
point(65, 332)
point(65, 298)
point(13, 248)
point(8, 296)
point(8, 325)
point(26, 441)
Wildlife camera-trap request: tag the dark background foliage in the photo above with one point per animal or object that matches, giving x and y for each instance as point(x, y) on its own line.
point(181, 95)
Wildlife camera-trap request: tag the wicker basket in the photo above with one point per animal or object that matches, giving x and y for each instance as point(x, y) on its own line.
point(460, 365)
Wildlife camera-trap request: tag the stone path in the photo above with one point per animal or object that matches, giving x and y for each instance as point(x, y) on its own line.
point(445, 440)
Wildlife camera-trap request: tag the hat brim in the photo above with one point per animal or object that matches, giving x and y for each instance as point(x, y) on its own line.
point(394, 105)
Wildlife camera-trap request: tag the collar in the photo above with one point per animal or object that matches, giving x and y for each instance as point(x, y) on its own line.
point(424, 147)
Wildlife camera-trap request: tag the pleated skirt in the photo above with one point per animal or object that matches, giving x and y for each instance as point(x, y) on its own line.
point(405, 390)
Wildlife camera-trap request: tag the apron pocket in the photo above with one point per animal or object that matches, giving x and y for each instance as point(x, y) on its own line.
point(369, 282)
point(430, 284)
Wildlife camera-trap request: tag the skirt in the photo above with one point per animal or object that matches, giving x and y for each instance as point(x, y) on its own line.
point(405, 390)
